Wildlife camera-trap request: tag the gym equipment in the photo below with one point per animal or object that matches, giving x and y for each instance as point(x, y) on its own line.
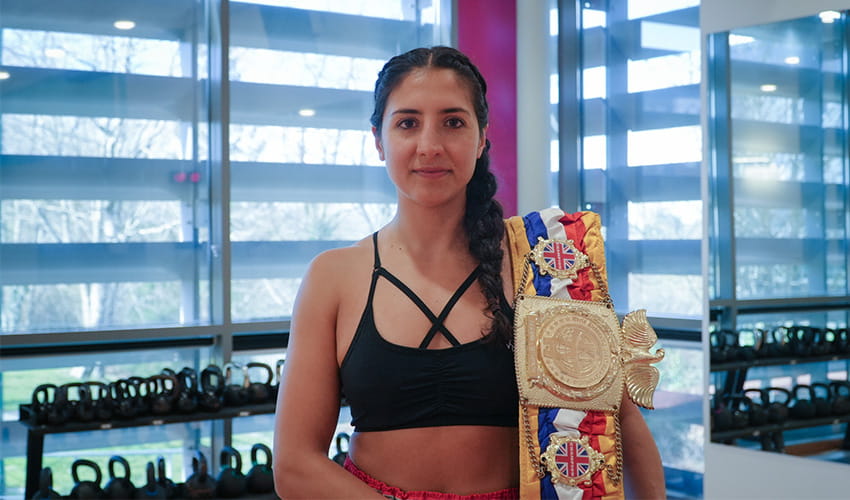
point(86, 489)
point(199, 484)
point(119, 487)
point(231, 482)
point(236, 394)
point(187, 397)
point(341, 454)
point(167, 485)
point(45, 486)
point(758, 407)
point(260, 478)
point(259, 391)
point(777, 411)
point(802, 406)
point(211, 390)
point(822, 401)
point(840, 391)
point(163, 393)
point(152, 489)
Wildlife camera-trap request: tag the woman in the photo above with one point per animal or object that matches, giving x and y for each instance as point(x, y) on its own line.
point(412, 324)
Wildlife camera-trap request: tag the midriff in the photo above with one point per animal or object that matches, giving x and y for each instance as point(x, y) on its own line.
point(461, 459)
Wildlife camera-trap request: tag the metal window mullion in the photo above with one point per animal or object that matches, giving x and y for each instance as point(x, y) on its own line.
point(570, 106)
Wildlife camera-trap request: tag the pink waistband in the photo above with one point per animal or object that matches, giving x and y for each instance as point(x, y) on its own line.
point(397, 493)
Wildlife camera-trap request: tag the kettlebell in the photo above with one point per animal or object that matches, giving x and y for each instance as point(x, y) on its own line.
point(721, 417)
point(718, 351)
point(758, 407)
point(746, 342)
point(823, 341)
point(260, 386)
point(278, 373)
point(164, 393)
point(236, 393)
point(802, 340)
point(200, 484)
point(840, 390)
point(101, 401)
point(260, 478)
point(123, 404)
point(86, 489)
point(740, 407)
point(151, 489)
point(841, 345)
point(45, 486)
point(119, 486)
point(43, 397)
point(822, 401)
point(167, 485)
point(211, 391)
point(143, 390)
point(777, 411)
point(187, 398)
point(78, 397)
point(231, 482)
point(776, 342)
point(802, 404)
point(341, 454)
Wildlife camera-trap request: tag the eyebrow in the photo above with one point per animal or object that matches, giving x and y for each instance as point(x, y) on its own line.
point(446, 111)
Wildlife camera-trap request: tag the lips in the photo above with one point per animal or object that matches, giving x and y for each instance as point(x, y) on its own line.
point(431, 171)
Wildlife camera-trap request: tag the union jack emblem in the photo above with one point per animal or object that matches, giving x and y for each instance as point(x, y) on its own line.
point(559, 255)
point(572, 459)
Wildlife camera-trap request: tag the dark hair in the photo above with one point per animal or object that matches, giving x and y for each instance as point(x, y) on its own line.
point(482, 219)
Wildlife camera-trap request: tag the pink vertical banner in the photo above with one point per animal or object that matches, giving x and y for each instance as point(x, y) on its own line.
point(486, 32)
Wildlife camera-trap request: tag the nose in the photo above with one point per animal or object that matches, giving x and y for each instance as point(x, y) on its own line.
point(430, 142)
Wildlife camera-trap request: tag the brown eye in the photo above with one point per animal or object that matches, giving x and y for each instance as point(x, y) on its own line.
point(407, 123)
point(454, 123)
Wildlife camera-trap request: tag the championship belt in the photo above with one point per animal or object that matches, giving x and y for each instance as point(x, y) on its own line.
point(573, 358)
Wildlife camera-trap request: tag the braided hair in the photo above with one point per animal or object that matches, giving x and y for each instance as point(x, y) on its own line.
point(483, 216)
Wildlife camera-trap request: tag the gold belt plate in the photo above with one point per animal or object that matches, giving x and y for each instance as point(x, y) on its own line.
point(568, 354)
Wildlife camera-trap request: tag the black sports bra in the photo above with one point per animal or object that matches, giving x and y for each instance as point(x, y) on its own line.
point(390, 386)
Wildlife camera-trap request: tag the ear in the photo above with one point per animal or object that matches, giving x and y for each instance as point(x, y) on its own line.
point(482, 141)
point(378, 145)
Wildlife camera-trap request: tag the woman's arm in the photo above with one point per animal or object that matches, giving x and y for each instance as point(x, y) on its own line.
point(308, 401)
point(644, 473)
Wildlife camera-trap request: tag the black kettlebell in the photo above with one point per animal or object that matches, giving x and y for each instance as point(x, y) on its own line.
point(164, 393)
point(236, 390)
point(718, 350)
point(802, 404)
point(231, 482)
point(260, 386)
point(119, 486)
point(162, 479)
point(747, 341)
point(211, 390)
point(42, 401)
point(777, 410)
point(45, 486)
point(776, 342)
point(80, 405)
point(802, 340)
point(822, 401)
point(200, 484)
point(278, 373)
point(187, 398)
point(341, 454)
point(101, 400)
point(123, 399)
point(840, 390)
point(841, 345)
point(740, 406)
point(151, 489)
point(86, 489)
point(144, 390)
point(260, 478)
point(822, 343)
point(758, 407)
point(721, 417)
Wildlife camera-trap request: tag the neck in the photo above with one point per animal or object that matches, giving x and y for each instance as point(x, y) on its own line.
point(425, 232)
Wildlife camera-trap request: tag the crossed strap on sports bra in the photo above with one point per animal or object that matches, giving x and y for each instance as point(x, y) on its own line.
point(437, 322)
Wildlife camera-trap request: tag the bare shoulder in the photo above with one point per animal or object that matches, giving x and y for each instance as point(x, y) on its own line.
point(332, 270)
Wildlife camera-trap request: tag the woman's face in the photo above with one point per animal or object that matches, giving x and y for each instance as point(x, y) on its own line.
point(430, 138)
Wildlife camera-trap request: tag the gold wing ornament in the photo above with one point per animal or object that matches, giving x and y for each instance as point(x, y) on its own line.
point(638, 338)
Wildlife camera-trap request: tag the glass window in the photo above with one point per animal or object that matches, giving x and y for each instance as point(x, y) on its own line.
point(305, 173)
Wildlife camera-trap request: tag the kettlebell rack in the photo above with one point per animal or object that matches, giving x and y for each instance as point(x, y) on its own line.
point(37, 432)
point(771, 434)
